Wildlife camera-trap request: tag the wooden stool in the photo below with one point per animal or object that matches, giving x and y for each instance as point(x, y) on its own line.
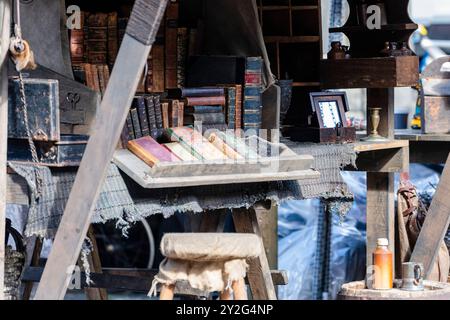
point(207, 261)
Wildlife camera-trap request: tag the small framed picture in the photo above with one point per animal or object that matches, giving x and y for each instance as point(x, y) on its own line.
point(330, 108)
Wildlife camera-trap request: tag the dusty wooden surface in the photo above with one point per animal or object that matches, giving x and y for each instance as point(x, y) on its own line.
point(139, 171)
point(433, 291)
point(259, 277)
point(111, 116)
point(5, 15)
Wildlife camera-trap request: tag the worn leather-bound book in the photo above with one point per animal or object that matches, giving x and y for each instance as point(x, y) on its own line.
point(171, 33)
point(177, 149)
point(165, 115)
point(158, 75)
point(150, 151)
point(77, 45)
point(195, 92)
point(130, 129)
point(113, 38)
point(205, 101)
point(173, 113)
point(180, 114)
point(139, 104)
point(182, 42)
point(136, 125)
point(202, 109)
point(153, 129)
point(205, 118)
point(194, 142)
point(252, 103)
point(95, 78)
point(98, 38)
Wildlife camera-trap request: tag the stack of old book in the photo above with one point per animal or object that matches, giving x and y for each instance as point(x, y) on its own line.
point(204, 107)
point(187, 144)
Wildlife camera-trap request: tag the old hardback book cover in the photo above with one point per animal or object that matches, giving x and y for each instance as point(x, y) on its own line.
point(101, 79)
point(194, 142)
point(252, 102)
point(113, 38)
point(129, 125)
point(171, 25)
point(165, 115)
point(158, 114)
point(182, 42)
point(173, 114)
point(136, 124)
point(89, 76)
point(205, 101)
point(223, 147)
point(77, 43)
point(150, 151)
point(208, 128)
point(195, 92)
point(139, 104)
point(202, 109)
point(180, 114)
point(158, 76)
point(151, 116)
point(98, 38)
point(205, 118)
point(238, 118)
point(231, 107)
point(177, 149)
point(95, 77)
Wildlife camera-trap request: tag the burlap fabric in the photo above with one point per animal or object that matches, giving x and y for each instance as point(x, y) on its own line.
point(207, 261)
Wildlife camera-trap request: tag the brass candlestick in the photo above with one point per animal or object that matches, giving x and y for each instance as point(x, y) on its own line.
point(375, 121)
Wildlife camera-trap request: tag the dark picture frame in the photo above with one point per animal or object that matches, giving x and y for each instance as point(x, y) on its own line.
point(330, 108)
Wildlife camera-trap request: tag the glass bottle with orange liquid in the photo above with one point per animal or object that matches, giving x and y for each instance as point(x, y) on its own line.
point(383, 266)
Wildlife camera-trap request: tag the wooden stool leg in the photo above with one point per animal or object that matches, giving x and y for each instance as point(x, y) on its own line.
point(167, 292)
point(239, 289)
point(34, 247)
point(259, 275)
point(225, 295)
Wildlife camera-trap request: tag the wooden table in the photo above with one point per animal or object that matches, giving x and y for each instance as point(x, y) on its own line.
point(426, 148)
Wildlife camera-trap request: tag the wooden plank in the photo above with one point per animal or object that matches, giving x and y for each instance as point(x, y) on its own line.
point(139, 171)
point(5, 14)
point(384, 160)
point(133, 54)
point(96, 267)
point(261, 285)
point(268, 222)
point(365, 146)
point(34, 248)
point(370, 72)
point(435, 225)
point(417, 135)
point(380, 211)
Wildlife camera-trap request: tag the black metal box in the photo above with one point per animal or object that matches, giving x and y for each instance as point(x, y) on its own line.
point(64, 153)
point(42, 97)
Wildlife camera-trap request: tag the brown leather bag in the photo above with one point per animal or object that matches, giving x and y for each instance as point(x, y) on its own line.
point(410, 218)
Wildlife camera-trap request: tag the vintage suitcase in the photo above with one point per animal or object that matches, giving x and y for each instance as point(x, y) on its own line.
point(42, 96)
point(64, 153)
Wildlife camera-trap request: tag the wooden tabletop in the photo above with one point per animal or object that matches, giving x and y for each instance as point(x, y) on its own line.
point(417, 135)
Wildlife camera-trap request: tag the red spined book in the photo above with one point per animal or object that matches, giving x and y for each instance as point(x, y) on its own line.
point(205, 101)
point(150, 151)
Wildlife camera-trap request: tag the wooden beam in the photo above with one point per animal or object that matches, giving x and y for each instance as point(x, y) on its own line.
point(259, 278)
point(435, 225)
point(5, 20)
point(140, 35)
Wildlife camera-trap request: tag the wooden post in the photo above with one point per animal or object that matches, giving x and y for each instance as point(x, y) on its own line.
point(5, 20)
point(140, 35)
point(435, 226)
point(380, 186)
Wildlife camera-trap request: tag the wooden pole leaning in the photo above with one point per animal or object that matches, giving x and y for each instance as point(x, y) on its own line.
point(5, 21)
point(140, 35)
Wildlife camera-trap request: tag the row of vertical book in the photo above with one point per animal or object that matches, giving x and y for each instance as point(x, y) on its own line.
point(98, 39)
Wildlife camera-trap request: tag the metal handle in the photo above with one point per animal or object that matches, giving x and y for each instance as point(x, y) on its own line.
point(418, 272)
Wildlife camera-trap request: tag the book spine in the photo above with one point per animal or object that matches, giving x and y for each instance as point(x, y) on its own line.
point(106, 75)
point(158, 74)
point(215, 127)
point(98, 38)
point(158, 114)
point(77, 45)
point(150, 151)
point(136, 125)
point(113, 45)
point(202, 92)
point(89, 77)
point(205, 101)
point(129, 124)
point(95, 77)
point(231, 108)
point(143, 117)
point(171, 25)
point(202, 109)
point(151, 117)
point(238, 117)
point(180, 114)
point(206, 118)
point(165, 115)
point(101, 79)
point(252, 104)
point(181, 56)
point(174, 114)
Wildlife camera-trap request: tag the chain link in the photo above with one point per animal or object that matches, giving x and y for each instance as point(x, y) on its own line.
point(33, 150)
